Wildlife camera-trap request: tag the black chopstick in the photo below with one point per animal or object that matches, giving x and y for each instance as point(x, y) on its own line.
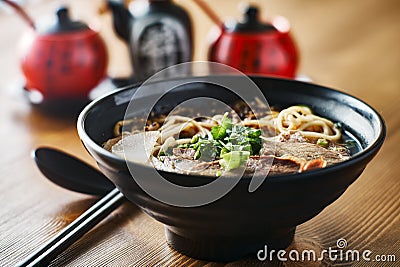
point(75, 230)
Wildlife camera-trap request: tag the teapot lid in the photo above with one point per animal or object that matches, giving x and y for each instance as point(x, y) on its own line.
point(251, 22)
point(64, 24)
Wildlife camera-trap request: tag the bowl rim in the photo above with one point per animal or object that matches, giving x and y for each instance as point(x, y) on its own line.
point(312, 174)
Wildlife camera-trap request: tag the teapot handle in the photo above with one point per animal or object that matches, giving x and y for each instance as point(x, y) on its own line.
point(209, 12)
point(18, 9)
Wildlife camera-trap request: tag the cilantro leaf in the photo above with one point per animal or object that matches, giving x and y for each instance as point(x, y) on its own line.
point(233, 144)
point(220, 131)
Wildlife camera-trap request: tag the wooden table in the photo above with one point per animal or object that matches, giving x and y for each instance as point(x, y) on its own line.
point(351, 45)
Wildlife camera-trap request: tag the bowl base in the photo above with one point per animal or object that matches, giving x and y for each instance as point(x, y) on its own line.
point(226, 249)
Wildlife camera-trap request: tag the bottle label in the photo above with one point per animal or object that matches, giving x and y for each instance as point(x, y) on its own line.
point(159, 45)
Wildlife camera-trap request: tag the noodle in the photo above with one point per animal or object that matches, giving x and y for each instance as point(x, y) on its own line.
point(301, 119)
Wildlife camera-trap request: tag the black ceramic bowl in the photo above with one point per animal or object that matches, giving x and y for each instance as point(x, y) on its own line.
point(240, 223)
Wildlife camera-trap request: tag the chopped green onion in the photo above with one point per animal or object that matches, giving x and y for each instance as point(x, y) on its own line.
point(322, 142)
point(195, 139)
point(234, 159)
point(183, 146)
point(197, 154)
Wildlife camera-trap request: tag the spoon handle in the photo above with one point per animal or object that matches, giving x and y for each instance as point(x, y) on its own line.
point(75, 230)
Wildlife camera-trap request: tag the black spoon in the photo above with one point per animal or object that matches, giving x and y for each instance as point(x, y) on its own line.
point(73, 174)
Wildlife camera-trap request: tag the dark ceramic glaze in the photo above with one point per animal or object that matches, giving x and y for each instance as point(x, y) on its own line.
point(240, 223)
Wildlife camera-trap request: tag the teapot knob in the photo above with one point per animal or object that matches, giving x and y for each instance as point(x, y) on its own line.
point(251, 14)
point(63, 15)
point(65, 24)
point(251, 22)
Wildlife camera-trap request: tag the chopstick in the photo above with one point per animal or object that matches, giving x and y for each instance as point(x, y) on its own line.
point(75, 230)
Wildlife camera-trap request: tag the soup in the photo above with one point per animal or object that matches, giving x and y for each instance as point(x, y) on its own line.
point(279, 141)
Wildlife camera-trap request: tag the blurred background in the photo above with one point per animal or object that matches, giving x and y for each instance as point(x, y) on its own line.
point(341, 44)
point(325, 55)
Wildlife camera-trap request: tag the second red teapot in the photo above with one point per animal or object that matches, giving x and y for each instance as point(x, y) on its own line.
point(256, 48)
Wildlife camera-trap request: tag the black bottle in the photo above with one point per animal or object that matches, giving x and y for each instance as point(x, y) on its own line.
point(159, 34)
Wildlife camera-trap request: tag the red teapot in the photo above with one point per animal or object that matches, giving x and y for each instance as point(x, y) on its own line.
point(255, 47)
point(64, 61)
